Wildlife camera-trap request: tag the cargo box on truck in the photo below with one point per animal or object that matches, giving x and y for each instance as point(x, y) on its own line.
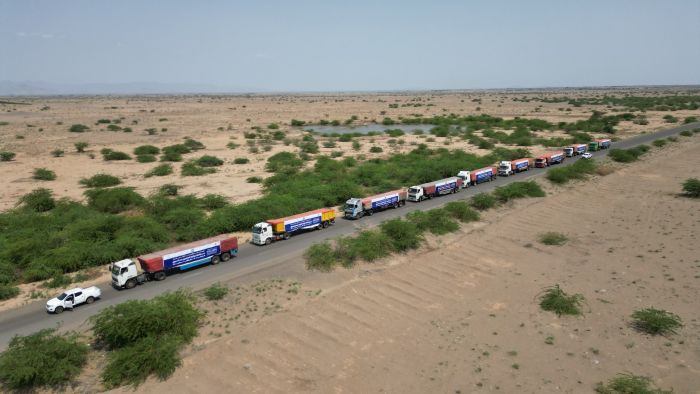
point(575, 150)
point(506, 168)
point(604, 143)
point(433, 189)
point(157, 265)
point(356, 208)
point(265, 233)
point(486, 174)
point(550, 159)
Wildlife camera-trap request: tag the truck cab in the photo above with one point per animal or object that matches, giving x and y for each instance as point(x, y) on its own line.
point(505, 168)
point(125, 274)
point(569, 151)
point(353, 208)
point(465, 176)
point(416, 193)
point(262, 234)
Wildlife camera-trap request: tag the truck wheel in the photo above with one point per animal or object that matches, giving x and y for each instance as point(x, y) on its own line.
point(159, 275)
point(325, 224)
point(215, 260)
point(287, 236)
point(370, 212)
point(226, 256)
point(58, 310)
point(130, 284)
point(268, 241)
point(90, 300)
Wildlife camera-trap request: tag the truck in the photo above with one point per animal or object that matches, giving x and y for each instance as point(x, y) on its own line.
point(483, 175)
point(356, 208)
point(604, 143)
point(466, 178)
point(428, 190)
point(265, 233)
point(71, 298)
point(506, 168)
point(575, 150)
point(157, 265)
point(593, 146)
point(549, 159)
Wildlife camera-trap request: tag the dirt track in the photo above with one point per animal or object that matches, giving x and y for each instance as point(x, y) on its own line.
point(462, 316)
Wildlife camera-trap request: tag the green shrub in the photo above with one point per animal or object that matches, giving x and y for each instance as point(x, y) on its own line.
point(191, 168)
point(42, 359)
point(146, 158)
point(7, 156)
point(160, 170)
point(115, 155)
point(80, 146)
point(43, 174)
point(376, 149)
point(8, 291)
point(659, 143)
point(241, 160)
point(78, 128)
point(146, 150)
point(57, 153)
point(320, 257)
point(656, 321)
point(209, 161)
point(690, 119)
point(628, 155)
point(38, 200)
point(284, 162)
point(483, 201)
point(554, 299)
point(211, 202)
point(193, 144)
point(629, 384)
point(114, 200)
point(100, 180)
point(437, 221)
point(672, 139)
point(404, 235)
point(177, 148)
point(686, 133)
point(461, 211)
point(297, 123)
point(309, 147)
point(215, 292)
point(578, 170)
point(254, 179)
point(58, 280)
point(518, 190)
point(171, 156)
point(691, 188)
point(369, 245)
point(553, 238)
point(273, 126)
point(169, 189)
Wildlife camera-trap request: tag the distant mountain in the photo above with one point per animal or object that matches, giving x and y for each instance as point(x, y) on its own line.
point(35, 88)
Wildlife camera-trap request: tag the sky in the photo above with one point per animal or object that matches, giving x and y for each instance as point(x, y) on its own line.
point(306, 46)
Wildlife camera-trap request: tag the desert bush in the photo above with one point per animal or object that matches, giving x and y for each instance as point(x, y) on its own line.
point(376, 149)
point(43, 174)
point(160, 170)
point(254, 179)
point(483, 201)
point(628, 155)
point(209, 161)
point(177, 148)
point(655, 321)
point(437, 221)
point(193, 144)
point(171, 156)
point(78, 128)
point(58, 280)
point(169, 189)
point(461, 211)
point(284, 162)
point(578, 170)
point(691, 188)
point(659, 143)
point(211, 202)
point(690, 119)
point(554, 299)
point(215, 292)
point(7, 156)
point(38, 200)
point(42, 359)
point(686, 133)
point(80, 146)
point(8, 291)
point(320, 257)
point(297, 123)
point(273, 126)
point(329, 144)
point(114, 200)
point(113, 127)
point(146, 150)
point(191, 168)
point(57, 153)
point(368, 245)
point(672, 139)
point(553, 238)
point(629, 384)
point(146, 158)
point(404, 235)
point(241, 160)
point(100, 180)
point(518, 190)
point(309, 147)
point(115, 155)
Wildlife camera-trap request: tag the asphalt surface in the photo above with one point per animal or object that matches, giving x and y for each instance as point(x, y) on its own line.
point(252, 258)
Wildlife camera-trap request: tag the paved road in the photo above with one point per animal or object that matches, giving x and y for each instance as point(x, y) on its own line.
point(33, 317)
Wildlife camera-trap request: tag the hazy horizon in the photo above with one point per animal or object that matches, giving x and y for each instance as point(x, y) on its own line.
point(306, 46)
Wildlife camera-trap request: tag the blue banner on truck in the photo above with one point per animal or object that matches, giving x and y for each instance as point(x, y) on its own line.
point(440, 187)
point(385, 201)
point(483, 175)
point(302, 223)
point(522, 165)
point(557, 158)
point(581, 149)
point(183, 257)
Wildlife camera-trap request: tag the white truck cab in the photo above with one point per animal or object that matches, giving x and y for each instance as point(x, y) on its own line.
point(466, 178)
point(71, 298)
point(125, 274)
point(415, 193)
point(505, 168)
point(262, 234)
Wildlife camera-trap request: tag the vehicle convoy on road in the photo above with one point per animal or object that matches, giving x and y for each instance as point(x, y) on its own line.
point(549, 159)
point(486, 174)
point(575, 150)
point(265, 233)
point(356, 208)
point(428, 190)
point(156, 265)
point(506, 168)
point(69, 299)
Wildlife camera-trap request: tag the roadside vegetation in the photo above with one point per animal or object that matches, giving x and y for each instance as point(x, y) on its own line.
point(43, 174)
point(628, 155)
point(691, 188)
point(656, 321)
point(100, 180)
point(629, 384)
point(554, 299)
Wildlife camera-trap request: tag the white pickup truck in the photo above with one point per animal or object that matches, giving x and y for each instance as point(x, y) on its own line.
point(73, 297)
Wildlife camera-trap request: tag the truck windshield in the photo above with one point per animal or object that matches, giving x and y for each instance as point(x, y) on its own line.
point(115, 270)
point(349, 206)
point(257, 229)
point(62, 296)
point(414, 190)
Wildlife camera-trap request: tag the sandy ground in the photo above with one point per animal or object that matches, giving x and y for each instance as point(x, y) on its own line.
point(34, 130)
point(461, 315)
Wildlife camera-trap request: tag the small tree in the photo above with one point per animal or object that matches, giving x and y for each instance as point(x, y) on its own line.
point(43, 174)
point(691, 187)
point(39, 200)
point(78, 128)
point(7, 156)
point(80, 146)
point(57, 153)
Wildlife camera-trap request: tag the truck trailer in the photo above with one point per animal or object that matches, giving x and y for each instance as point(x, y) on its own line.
point(604, 143)
point(575, 150)
point(486, 174)
point(506, 168)
point(265, 233)
point(156, 265)
point(356, 208)
point(433, 189)
point(549, 159)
